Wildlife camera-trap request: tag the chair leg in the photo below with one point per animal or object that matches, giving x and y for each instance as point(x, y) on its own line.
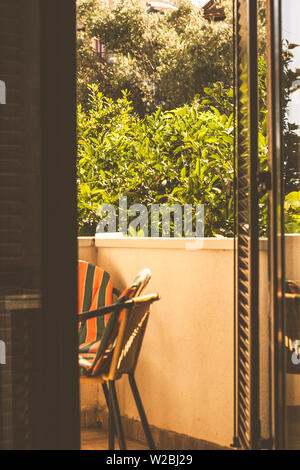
point(141, 411)
point(116, 414)
point(106, 394)
point(111, 427)
point(111, 424)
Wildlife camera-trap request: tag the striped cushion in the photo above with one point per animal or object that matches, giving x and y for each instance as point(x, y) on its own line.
point(98, 358)
point(94, 290)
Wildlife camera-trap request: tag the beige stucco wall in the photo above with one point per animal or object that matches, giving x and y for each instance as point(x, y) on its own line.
point(292, 257)
point(185, 370)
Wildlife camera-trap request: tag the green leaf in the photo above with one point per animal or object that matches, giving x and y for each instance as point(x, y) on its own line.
point(198, 167)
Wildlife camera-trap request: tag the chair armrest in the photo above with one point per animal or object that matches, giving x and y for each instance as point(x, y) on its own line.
point(104, 310)
point(128, 304)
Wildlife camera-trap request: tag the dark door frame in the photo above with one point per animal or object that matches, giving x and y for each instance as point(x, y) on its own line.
point(276, 253)
point(38, 189)
point(60, 382)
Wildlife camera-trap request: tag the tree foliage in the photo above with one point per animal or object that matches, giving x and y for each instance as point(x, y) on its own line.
point(163, 60)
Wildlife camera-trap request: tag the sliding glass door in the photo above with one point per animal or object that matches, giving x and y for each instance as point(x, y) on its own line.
point(267, 391)
point(284, 121)
point(290, 180)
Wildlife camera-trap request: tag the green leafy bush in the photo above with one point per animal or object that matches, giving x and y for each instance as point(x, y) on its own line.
point(183, 156)
point(292, 212)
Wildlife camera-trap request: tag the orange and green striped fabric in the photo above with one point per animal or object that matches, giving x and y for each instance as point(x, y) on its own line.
point(95, 289)
point(97, 357)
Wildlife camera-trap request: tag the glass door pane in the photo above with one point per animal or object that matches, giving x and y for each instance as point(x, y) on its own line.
point(291, 194)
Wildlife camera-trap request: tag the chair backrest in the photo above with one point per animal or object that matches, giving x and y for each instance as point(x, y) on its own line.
point(108, 342)
point(292, 321)
point(131, 334)
point(292, 287)
point(95, 289)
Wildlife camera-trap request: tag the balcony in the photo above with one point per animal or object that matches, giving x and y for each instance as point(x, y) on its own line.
point(186, 369)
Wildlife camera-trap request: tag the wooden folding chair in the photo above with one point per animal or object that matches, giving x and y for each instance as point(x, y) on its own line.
point(292, 322)
point(117, 351)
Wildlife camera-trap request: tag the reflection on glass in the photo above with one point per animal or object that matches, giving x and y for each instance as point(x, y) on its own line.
point(291, 76)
